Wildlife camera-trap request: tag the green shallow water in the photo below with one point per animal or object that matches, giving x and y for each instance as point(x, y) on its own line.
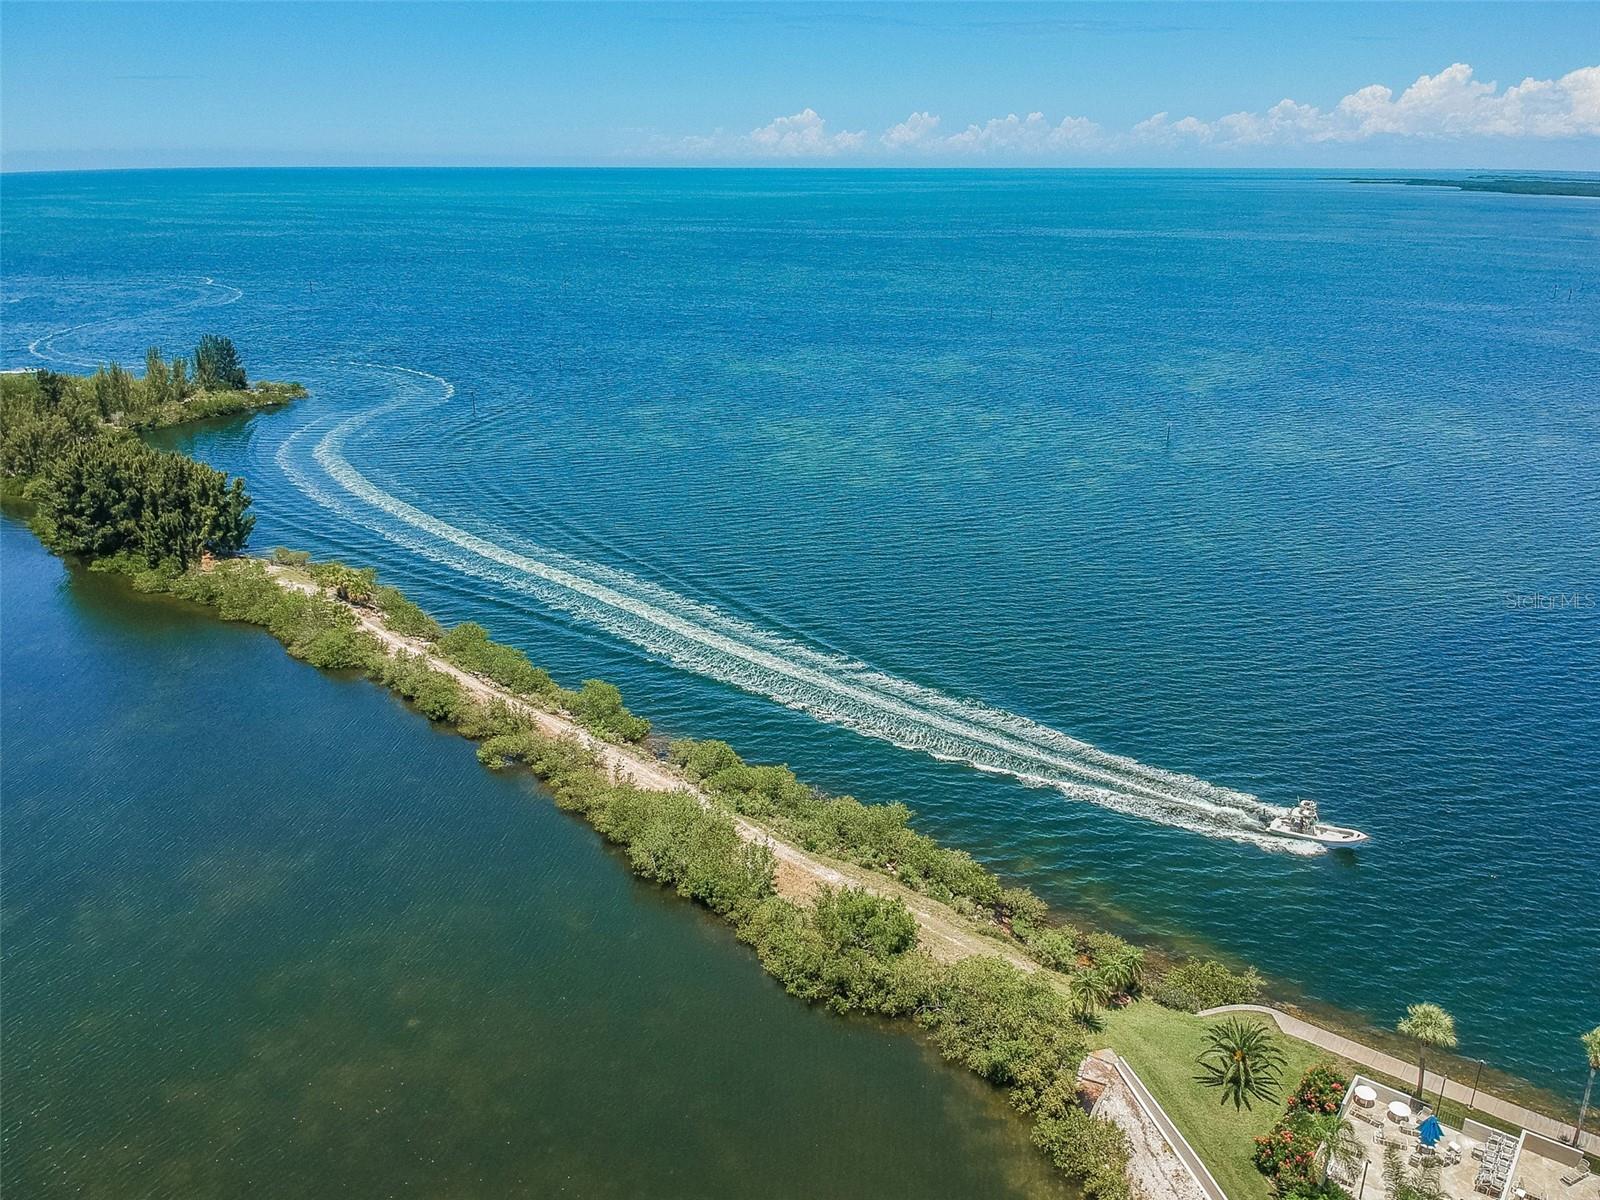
point(268, 933)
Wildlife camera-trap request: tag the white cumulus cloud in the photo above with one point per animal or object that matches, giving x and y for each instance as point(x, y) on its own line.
point(1022, 137)
point(917, 130)
point(800, 135)
point(1026, 136)
point(1452, 104)
point(804, 135)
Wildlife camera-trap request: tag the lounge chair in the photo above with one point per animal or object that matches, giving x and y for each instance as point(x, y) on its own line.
point(1578, 1175)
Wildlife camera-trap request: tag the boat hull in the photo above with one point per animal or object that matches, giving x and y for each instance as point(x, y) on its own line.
point(1324, 835)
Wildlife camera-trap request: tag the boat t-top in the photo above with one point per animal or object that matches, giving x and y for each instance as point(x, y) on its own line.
point(1301, 822)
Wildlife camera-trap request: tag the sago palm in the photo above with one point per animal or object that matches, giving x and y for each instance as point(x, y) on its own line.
point(1243, 1060)
point(1427, 1025)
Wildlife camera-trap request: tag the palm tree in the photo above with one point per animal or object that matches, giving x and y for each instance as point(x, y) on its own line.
point(1427, 1025)
point(1089, 990)
point(1591, 1043)
point(1124, 968)
point(1401, 1184)
point(1338, 1143)
point(1243, 1060)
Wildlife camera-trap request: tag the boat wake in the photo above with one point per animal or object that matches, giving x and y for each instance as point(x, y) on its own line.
point(696, 637)
point(44, 349)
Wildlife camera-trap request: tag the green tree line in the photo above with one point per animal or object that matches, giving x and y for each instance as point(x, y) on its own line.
point(96, 491)
point(108, 496)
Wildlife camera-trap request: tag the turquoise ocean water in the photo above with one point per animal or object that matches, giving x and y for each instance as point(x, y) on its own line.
point(1093, 515)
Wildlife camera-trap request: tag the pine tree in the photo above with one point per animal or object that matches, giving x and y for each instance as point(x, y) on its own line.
point(157, 382)
point(217, 366)
point(113, 390)
point(113, 494)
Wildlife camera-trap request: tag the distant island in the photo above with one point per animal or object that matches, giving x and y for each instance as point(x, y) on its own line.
point(1521, 185)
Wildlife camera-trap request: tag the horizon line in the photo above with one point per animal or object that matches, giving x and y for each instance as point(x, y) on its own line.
point(810, 167)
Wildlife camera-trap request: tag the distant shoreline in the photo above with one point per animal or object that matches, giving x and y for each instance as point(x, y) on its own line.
point(1516, 185)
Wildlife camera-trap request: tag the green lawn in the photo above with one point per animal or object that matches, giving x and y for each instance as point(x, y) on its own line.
point(1162, 1045)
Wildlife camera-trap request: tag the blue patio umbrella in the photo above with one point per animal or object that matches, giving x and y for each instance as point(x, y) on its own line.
point(1430, 1131)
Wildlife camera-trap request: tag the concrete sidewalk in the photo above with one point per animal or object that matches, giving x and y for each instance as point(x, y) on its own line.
point(1400, 1069)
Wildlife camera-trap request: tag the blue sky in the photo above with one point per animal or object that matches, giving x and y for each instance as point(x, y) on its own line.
point(152, 84)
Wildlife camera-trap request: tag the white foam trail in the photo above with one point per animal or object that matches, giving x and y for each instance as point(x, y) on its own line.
point(43, 347)
point(832, 687)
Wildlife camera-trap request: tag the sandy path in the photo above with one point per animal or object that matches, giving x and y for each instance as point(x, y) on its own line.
point(800, 873)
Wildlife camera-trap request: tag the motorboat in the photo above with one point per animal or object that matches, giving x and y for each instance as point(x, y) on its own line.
point(1303, 824)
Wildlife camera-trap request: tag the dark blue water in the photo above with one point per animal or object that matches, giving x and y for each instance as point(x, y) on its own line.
point(1096, 516)
point(268, 933)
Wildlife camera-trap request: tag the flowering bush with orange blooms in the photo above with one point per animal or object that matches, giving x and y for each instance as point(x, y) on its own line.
point(1321, 1090)
point(1287, 1156)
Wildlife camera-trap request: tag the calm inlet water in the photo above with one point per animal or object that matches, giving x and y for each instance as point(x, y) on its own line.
point(1096, 516)
point(268, 933)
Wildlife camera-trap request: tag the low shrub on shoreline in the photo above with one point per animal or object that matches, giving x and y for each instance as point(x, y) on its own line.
point(1197, 984)
point(468, 646)
point(880, 838)
point(1093, 1151)
point(850, 950)
point(876, 836)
